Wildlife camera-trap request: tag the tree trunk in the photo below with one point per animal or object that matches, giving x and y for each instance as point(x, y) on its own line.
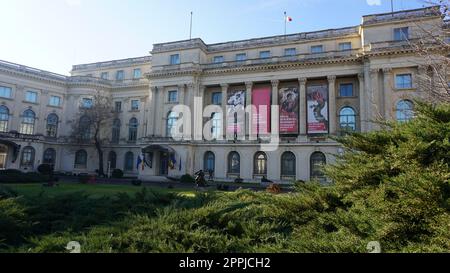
point(99, 149)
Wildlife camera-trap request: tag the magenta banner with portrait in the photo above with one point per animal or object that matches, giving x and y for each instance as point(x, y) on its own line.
point(289, 110)
point(261, 119)
point(317, 99)
point(236, 112)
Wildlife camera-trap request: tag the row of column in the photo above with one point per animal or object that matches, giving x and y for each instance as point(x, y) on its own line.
point(375, 99)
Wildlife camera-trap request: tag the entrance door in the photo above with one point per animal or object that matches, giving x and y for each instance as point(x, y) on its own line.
point(164, 164)
point(3, 154)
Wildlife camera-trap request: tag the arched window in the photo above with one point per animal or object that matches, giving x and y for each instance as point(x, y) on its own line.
point(209, 162)
point(115, 138)
point(52, 125)
point(85, 128)
point(133, 128)
point(347, 119)
point(112, 159)
point(288, 164)
point(234, 163)
point(172, 119)
point(27, 125)
point(129, 162)
point(81, 159)
point(216, 126)
point(4, 118)
point(27, 160)
point(260, 164)
point(318, 161)
point(404, 111)
point(49, 156)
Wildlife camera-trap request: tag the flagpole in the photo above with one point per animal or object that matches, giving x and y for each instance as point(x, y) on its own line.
point(392, 6)
point(190, 28)
point(285, 23)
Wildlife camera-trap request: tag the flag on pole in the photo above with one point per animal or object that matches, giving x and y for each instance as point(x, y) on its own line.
point(288, 19)
point(140, 162)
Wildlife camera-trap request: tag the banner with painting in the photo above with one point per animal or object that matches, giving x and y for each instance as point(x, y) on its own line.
point(289, 110)
point(317, 108)
point(236, 112)
point(261, 97)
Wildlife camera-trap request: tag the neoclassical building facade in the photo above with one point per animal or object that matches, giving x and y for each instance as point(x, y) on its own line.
point(321, 83)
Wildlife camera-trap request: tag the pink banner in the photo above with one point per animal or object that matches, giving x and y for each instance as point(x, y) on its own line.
point(261, 119)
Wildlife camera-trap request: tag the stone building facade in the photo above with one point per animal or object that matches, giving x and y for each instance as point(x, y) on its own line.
point(365, 72)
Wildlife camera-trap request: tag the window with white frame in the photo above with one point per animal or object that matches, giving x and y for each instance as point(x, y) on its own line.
point(31, 96)
point(264, 54)
point(135, 105)
point(87, 103)
point(137, 73)
point(240, 57)
point(5, 92)
point(290, 52)
point(218, 59)
point(345, 46)
point(401, 34)
point(173, 96)
point(403, 81)
point(175, 59)
point(54, 101)
point(317, 49)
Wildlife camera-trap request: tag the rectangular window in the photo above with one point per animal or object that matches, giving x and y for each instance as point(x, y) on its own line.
point(317, 49)
point(403, 81)
point(218, 59)
point(216, 98)
point(345, 46)
point(104, 75)
point(401, 34)
point(173, 96)
point(137, 73)
point(55, 101)
point(175, 59)
point(290, 52)
point(118, 106)
point(86, 103)
point(346, 90)
point(264, 54)
point(120, 75)
point(241, 57)
point(31, 96)
point(134, 105)
point(5, 92)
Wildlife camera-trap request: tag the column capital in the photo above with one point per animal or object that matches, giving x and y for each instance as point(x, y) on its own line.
point(275, 83)
point(302, 81)
point(387, 70)
point(331, 78)
point(422, 69)
point(361, 76)
point(181, 86)
point(224, 85)
point(374, 71)
point(190, 85)
point(249, 85)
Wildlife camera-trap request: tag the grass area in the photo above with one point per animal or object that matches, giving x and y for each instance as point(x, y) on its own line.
point(94, 191)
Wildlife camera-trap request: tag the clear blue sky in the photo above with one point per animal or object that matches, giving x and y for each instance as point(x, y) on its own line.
point(55, 34)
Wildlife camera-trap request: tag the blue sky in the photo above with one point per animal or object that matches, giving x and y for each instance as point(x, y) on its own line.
point(55, 34)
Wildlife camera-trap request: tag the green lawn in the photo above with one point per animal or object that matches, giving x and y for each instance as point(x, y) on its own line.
point(97, 190)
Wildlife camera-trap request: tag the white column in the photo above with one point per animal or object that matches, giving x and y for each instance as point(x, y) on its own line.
point(181, 93)
point(332, 104)
point(224, 108)
point(374, 99)
point(153, 110)
point(362, 103)
point(302, 105)
point(248, 93)
point(275, 84)
point(387, 93)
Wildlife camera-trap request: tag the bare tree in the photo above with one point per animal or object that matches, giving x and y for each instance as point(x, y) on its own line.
point(432, 44)
point(93, 123)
